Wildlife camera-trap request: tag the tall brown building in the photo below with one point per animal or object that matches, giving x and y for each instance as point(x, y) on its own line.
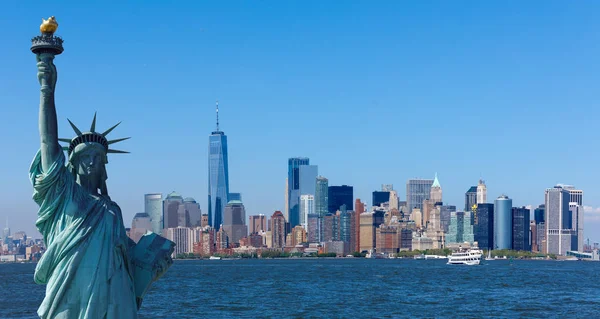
point(368, 225)
point(257, 223)
point(278, 230)
point(204, 220)
point(298, 235)
point(359, 208)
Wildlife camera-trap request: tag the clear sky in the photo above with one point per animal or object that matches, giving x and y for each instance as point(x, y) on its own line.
point(373, 93)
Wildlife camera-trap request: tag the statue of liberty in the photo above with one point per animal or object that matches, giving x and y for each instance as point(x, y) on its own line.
point(91, 268)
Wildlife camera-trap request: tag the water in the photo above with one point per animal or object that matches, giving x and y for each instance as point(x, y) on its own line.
point(348, 288)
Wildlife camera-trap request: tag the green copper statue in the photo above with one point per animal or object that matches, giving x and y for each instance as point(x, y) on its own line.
point(91, 268)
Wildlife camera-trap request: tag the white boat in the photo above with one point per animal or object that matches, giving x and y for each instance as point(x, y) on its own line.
point(466, 257)
point(421, 256)
point(489, 256)
point(214, 258)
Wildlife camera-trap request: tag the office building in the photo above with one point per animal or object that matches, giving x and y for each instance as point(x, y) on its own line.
point(460, 229)
point(257, 223)
point(277, 230)
point(307, 207)
point(503, 223)
point(483, 226)
point(218, 176)
point(293, 188)
point(445, 212)
point(359, 209)
point(368, 225)
point(435, 193)
point(559, 235)
point(481, 192)
point(171, 210)
point(380, 197)
point(470, 198)
point(338, 196)
point(153, 206)
point(234, 221)
point(189, 213)
point(520, 231)
point(140, 224)
point(235, 196)
point(417, 190)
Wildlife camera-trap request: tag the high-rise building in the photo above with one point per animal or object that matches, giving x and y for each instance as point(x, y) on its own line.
point(140, 224)
point(435, 193)
point(257, 223)
point(539, 214)
point(576, 212)
point(298, 236)
point(218, 176)
point(294, 165)
point(307, 207)
point(235, 196)
point(191, 215)
point(314, 229)
point(308, 177)
point(558, 220)
point(359, 209)
point(484, 226)
point(286, 211)
point(460, 228)
point(171, 210)
point(520, 231)
point(153, 206)
point(481, 192)
point(204, 221)
point(503, 222)
point(470, 198)
point(368, 225)
point(182, 237)
point(234, 221)
point(322, 196)
point(277, 230)
point(417, 190)
point(380, 197)
point(445, 212)
point(345, 227)
point(394, 200)
point(340, 195)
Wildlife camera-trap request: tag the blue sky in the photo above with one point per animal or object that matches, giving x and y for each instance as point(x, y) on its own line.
point(372, 93)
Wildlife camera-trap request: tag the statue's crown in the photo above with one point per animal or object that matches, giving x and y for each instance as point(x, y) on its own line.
point(91, 137)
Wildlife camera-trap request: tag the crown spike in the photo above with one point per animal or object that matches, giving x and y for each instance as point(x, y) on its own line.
point(110, 129)
point(77, 131)
point(93, 127)
point(66, 140)
point(118, 140)
point(117, 151)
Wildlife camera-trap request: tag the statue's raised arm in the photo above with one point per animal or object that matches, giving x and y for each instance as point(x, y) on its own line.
point(47, 76)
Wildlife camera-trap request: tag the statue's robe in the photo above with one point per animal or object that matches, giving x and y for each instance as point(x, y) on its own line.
point(86, 267)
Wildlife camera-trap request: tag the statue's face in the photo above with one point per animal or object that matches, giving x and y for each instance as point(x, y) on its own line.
point(90, 163)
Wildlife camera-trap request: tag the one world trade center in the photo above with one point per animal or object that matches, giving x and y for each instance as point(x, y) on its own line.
point(218, 176)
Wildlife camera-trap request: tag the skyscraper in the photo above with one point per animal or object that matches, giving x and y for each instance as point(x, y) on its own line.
point(192, 211)
point(417, 190)
point(153, 207)
point(576, 211)
point(139, 225)
point(503, 222)
point(307, 206)
point(435, 193)
point(294, 189)
point(481, 192)
point(470, 198)
point(520, 232)
point(558, 236)
point(340, 195)
point(322, 196)
point(277, 230)
point(257, 223)
point(308, 177)
point(460, 229)
point(218, 176)
point(171, 210)
point(360, 208)
point(234, 221)
point(484, 226)
point(380, 197)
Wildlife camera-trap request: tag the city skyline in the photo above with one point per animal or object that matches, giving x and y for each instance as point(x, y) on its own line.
point(258, 106)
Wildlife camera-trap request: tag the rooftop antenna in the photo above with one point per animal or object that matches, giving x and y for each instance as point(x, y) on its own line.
point(217, 115)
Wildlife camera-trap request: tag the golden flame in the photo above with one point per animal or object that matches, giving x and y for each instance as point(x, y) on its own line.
point(49, 26)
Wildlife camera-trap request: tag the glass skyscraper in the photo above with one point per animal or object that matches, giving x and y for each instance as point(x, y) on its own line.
point(153, 206)
point(417, 190)
point(484, 226)
point(294, 189)
point(520, 232)
point(340, 195)
point(470, 198)
point(218, 176)
point(503, 223)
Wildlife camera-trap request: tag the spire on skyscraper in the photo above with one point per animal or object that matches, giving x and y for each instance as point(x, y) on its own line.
point(436, 183)
point(217, 115)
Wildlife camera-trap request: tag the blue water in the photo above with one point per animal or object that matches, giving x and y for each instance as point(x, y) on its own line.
point(348, 288)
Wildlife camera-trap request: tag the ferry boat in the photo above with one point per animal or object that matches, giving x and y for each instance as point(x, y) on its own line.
point(466, 257)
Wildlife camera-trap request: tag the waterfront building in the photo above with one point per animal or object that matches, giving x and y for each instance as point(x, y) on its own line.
point(460, 228)
point(338, 196)
point(417, 190)
point(298, 236)
point(140, 224)
point(345, 219)
point(171, 210)
point(277, 230)
point(368, 225)
point(558, 221)
point(189, 213)
point(359, 209)
point(153, 206)
point(221, 240)
point(520, 231)
point(387, 239)
point(503, 222)
point(484, 226)
point(182, 237)
point(314, 228)
point(257, 223)
point(293, 187)
point(481, 192)
point(218, 176)
point(307, 207)
point(470, 198)
point(234, 221)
